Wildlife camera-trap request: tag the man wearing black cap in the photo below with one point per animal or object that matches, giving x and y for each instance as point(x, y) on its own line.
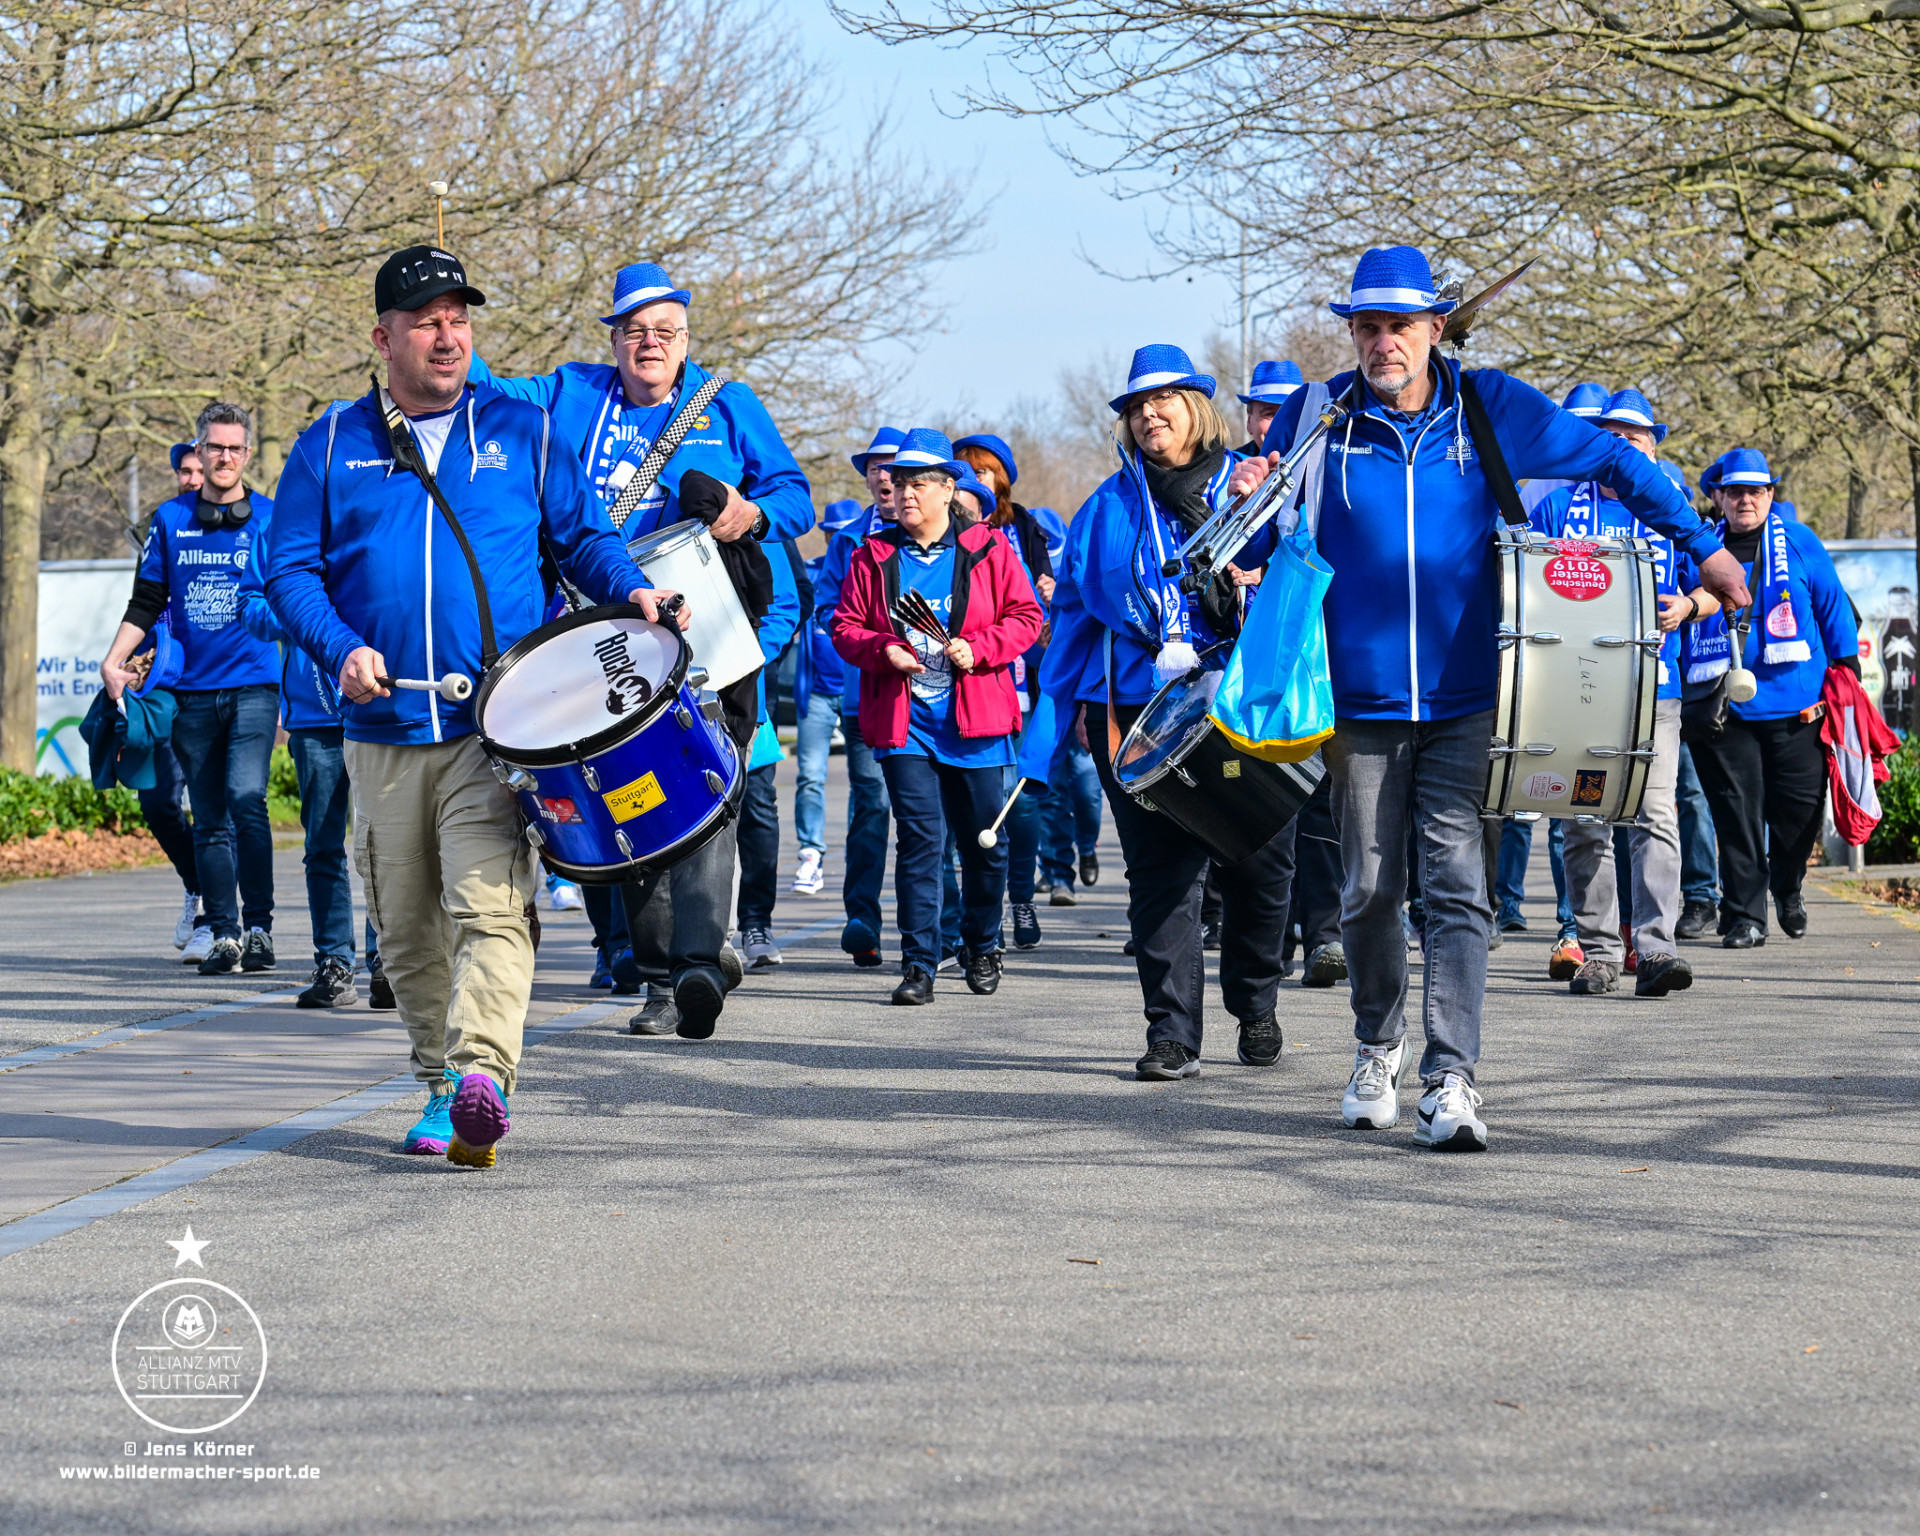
point(373, 578)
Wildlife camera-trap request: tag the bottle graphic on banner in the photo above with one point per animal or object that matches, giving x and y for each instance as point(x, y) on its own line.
point(1897, 641)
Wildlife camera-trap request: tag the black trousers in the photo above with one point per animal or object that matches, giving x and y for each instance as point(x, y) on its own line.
point(1166, 868)
point(1317, 873)
point(1766, 781)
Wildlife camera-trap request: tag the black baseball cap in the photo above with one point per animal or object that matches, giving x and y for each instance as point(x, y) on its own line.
point(418, 275)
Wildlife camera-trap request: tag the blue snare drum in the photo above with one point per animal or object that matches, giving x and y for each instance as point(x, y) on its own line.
point(596, 726)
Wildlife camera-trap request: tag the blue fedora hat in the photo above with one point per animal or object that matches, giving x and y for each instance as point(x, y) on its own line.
point(1161, 366)
point(1741, 466)
point(1271, 383)
point(840, 515)
point(997, 446)
point(1394, 278)
point(884, 442)
point(924, 448)
point(1631, 408)
point(643, 283)
point(1587, 400)
point(983, 493)
point(1055, 527)
point(178, 452)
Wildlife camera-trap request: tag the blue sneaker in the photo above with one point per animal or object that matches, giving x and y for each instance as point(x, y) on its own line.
point(624, 972)
point(602, 977)
point(860, 941)
point(434, 1130)
point(479, 1116)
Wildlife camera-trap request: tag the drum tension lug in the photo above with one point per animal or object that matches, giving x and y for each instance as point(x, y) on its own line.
point(715, 783)
point(1540, 749)
point(592, 778)
point(683, 717)
point(534, 837)
point(1611, 642)
point(1603, 751)
point(1543, 637)
point(1184, 777)
point(1528, 816)
point(621, 842)
point(519, 780)
point(711, 709)
point(697, 679)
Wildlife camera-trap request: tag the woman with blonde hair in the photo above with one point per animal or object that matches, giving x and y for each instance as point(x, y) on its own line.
point(1121, 629)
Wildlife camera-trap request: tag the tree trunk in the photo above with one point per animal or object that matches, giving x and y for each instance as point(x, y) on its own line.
point(1913, 468)
point(24, 461)
point(1856, 503)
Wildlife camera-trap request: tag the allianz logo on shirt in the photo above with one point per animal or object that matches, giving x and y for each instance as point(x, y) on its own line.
point(210, 557)
point(490, 457)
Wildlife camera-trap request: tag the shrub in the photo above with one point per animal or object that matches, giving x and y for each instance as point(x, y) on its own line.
point(30, 806)
point(282, 782)
point(1897, 839)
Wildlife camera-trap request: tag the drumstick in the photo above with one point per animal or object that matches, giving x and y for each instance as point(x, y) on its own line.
point(992, 835)
point(917, 611)
point(453, 687)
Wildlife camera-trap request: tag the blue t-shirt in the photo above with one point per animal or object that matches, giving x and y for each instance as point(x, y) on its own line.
point(622, 434)
point(206, 570)
point(931, 731)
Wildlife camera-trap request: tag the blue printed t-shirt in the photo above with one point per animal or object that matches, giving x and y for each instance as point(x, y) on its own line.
point(931, 731)
point(204, 569)
point(623, 434)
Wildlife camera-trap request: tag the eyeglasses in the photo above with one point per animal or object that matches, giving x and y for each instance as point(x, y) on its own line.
point(663, 334)
point(222, 451)
point(1159, 400)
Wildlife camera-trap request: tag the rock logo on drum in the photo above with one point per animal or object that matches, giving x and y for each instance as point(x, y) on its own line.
point(626, 688)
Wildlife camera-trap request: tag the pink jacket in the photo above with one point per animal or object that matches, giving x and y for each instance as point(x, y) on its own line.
point(993, 611)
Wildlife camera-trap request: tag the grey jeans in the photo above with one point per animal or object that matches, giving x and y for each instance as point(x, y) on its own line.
point(680, 922)
point(1653, 838)
point(1388, 776)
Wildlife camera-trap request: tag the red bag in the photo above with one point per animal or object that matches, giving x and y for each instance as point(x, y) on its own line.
point(1858, 742)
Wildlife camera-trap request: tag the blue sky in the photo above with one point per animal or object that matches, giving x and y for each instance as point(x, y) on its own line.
point(1029, 304)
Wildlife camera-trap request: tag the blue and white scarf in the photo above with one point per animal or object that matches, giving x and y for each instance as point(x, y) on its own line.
point(1159, 537)
point(1590, 515)
point(620, 440)
point(1710, 647)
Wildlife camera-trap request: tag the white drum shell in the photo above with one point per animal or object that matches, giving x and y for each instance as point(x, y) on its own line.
point(1573, 732)
point(685, 559)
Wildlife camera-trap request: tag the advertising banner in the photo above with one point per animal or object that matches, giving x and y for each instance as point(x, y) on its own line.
point(80, 606)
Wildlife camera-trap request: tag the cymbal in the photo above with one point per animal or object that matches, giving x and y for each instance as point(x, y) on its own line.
point(1461, 321)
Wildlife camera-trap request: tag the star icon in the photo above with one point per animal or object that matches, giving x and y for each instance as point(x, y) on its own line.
point(188, 1248)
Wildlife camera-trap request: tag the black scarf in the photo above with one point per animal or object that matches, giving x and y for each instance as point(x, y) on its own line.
point(1182, 490)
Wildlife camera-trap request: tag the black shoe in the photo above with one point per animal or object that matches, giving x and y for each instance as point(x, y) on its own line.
point(1062, 896)
point(1695, 919)
point(1127, 949)
point(256, 951)
point(1026, 926)
point(1260, 1040)
point(1326, 965)
point(916, 987)
point(660, 1016)
point(223, 959)
point(1595, 978)
point(1209, 935)
point(331, 987)
point(1744, 934)
point(1090, 869)
point(1793, 915)
point(379, 989)
point(625, 970)
point(1660, 974)
point(982, 971)
point(860, 941)
point(699, 995)
point(1166, 1059)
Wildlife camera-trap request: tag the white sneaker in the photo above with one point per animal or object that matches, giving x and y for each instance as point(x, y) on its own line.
point(198, 947)
point(761, 952)
point(811, 877)
point(1447, 1121)
point(189, 910)
point(1372, 1099)
point(564, 896)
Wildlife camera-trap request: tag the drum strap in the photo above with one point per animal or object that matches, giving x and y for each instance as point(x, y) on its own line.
point(406, 455)
point(635, 490)
point(1492, 461)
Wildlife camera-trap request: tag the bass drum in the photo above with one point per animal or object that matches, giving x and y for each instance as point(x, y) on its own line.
point(1175, 760)
point(1579, 671)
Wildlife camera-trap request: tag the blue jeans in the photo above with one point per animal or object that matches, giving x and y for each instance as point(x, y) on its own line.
point(1393, 779)
point(812, 749)
point(1699, 859)
point(1071, 822)
point(1022, 833)
point(758, 839)
point(867, 816)
point(928, 798)
point(166, 818)
point(225, 740)
point(951, 905)
point(1516, 848)
point(325, 800)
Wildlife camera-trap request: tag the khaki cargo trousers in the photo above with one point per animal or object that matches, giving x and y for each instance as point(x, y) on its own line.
point(438, 842)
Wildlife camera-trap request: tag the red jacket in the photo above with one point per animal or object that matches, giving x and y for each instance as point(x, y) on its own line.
point(993, 611)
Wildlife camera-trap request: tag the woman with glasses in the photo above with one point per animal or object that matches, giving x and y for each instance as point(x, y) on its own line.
point(933, 615)
point(1122, 629)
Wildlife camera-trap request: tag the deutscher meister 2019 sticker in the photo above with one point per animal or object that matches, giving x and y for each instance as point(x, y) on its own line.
point(1589, 786)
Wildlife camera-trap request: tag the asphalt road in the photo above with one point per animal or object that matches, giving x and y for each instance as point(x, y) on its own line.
point(830, 1271)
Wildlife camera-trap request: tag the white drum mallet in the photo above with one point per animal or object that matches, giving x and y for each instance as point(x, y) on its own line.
point(454, 687)
point(991, 836)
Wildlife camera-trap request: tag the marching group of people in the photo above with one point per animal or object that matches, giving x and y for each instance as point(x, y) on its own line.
point(961, 646)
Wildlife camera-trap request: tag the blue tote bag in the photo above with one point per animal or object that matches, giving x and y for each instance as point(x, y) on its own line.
point(1276, 700)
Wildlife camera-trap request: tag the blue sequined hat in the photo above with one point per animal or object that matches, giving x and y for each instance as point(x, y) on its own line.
point(924, 448)
point(1739, 466)
point(884, 442)
point(1633, 409)
point(639, 285)
point(1587, 400)
point(1161, 366)
point(840, 515)
point(1394, 278)
point(997, 446)
point(1272, 383)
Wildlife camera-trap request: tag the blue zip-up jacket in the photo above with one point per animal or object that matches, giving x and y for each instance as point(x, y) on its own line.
point(207, 572)
point(1822, 616)
point(361, 557)
point(736, 441)
point(309, 699)
point(1098, 590)
point(818, 668)
point(1407, 525)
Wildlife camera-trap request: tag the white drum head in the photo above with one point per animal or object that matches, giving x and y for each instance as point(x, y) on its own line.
point(578, 683)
